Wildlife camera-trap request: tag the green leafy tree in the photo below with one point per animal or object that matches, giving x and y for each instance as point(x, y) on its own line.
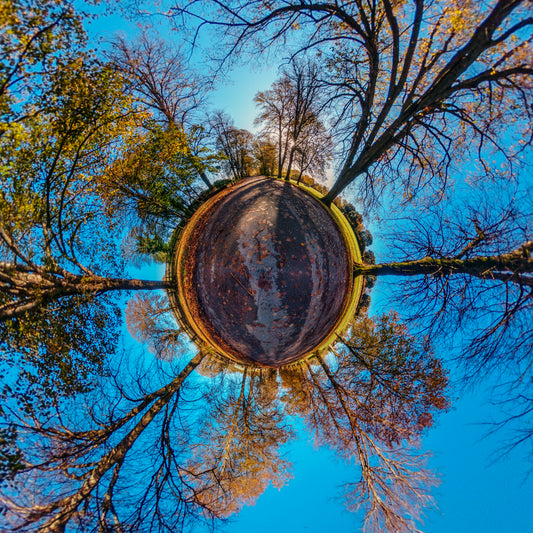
point(152, 185)
point(32, 48)
point(55, 237)
point(265, 154)
point(59, 254)
point(156, 74)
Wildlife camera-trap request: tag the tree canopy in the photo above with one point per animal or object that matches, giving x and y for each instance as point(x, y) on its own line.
point(425, 107)
point(216, 444)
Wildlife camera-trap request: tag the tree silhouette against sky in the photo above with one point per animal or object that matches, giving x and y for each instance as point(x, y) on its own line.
point(430, 108)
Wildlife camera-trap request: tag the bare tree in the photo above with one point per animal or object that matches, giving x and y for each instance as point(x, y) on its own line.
point(160, 77)
point(305, 110)
point(290, 112)
point(150, 320)
point(236, 144)
point(515, 266)
point(209, 453)
point(314, 151)
point(403, 76)
point(81, 458)
point(464, 271)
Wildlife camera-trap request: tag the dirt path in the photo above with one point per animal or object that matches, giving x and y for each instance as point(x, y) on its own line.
point(268, 271)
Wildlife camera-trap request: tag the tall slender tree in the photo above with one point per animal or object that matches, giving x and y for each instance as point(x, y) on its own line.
point(290, 111)
point(242, 436)
point(274, 107)
point(80, 461)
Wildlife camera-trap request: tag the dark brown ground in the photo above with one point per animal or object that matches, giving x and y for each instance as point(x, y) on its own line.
point(267, 271)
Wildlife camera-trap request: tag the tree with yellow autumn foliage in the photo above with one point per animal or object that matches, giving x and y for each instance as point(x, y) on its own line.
point(370, 400)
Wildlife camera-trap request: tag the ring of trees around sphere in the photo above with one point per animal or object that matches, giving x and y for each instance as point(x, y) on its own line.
point(262, 273)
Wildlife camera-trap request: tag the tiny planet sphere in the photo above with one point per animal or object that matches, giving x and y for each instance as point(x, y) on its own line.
point(265, 273)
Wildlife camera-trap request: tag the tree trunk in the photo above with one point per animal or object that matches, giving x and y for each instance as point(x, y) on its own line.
point(280, 144)
point(340, 183)
point(513, 266)
point(32, 290)
point(289, 166)
point(205, 179)
point(67, 507)
point(441, 89)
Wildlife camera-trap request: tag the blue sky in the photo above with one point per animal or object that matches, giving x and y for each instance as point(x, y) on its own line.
point(476, 493)
point(234, 94)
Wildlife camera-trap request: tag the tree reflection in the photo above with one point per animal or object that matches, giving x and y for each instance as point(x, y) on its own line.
point(195, 439)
